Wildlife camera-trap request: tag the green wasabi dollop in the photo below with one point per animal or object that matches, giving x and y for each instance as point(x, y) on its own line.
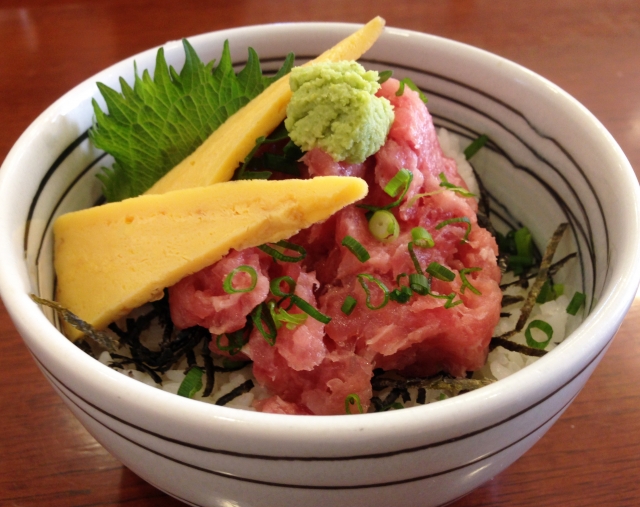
point(334, 107)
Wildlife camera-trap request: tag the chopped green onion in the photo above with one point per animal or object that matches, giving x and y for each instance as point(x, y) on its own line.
point(349, 305)
point(576, 302)
point(261, 317)
point(400, 180)
point(363, 278)
point(278, 135)
point(517, 263)
point(400, 277)
point(356, 248)
point(384, 226)
point(475, 146)
point(352, 399)
point(292, 151)
point(285, 245)
point(414, 258)
point(524, 242)
point(422, 238)
point(227, 285)
point(310, 310)
point(281, 316)
point(547, 293)
point(542, 326)
point(384, 75)
point(274, 286)
point(280, 163)
point(449, 297)
point(419, 283)
point(410, 84)
point(401, 294)
point(437, 270)
point(465, 283)
point(191, 383)
point(394, 203)
point(463, 192)
point(236, 341)
point(455, 221)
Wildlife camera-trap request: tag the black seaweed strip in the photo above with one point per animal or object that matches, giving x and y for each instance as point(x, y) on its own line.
point(241, 389)
point(339, 458)
point(314, 487)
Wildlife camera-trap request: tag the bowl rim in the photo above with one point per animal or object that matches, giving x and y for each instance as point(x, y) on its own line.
point(587, 342)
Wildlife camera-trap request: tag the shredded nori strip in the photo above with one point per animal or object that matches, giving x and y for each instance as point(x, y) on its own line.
point(515, 347)
point(508, 300)
point(421, 399)
point(241, 389)
point(209, 368)
point(100, 337)
point(441, 382)
point(553, 269)
point(541, 277)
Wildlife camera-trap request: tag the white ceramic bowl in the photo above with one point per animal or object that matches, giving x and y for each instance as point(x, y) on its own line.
point(549, 161)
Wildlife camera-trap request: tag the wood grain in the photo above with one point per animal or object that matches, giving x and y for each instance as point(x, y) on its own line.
point(591, 457)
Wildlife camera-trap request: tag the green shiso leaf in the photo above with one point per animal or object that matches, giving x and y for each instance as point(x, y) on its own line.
point(153, 126)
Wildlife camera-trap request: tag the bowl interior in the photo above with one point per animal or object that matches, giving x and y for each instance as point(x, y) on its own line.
point(543, 165)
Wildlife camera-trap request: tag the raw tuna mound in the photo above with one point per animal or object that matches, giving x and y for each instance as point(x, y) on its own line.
point(310, 368)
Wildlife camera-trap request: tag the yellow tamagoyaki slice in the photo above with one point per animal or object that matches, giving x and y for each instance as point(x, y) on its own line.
point(113, 258)
point(217, 158)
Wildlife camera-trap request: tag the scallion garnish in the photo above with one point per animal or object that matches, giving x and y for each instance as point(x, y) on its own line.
point(384, 226)
point(400, 180)
point(243, 174)
point(280, 256)
point(261, 317)
point(352, 399)
point(542, 326)
point(191, 383)
point(384, 75)
point(576, 302)
point(411, 85)
point(349, 305)
point(281, 316)
point(549, 292)
point(310, 310)
point(414, 258)
point(449, 297)
point(437, 270)
point(419, 283)
point(457, 221)
point(397, 201)
point(354, 246)
point(227, 285)
point(401, 294)
point(363, 278)
point(422, 238)
point(463, 192)
point(465, 283)
point(236, 341)
point(475, 146)
point(274, 286)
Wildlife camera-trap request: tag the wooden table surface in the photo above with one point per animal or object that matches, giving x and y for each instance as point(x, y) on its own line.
point(591, 48)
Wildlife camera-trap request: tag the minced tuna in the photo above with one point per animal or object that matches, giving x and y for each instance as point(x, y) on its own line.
point(312, 367)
